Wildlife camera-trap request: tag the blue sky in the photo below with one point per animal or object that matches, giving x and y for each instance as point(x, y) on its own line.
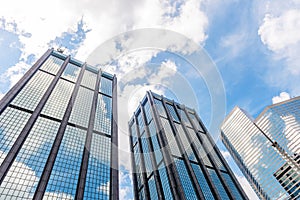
point(254, 45)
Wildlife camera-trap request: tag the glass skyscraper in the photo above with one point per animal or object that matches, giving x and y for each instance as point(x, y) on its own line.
point(58, 133)
point(174, 157)
point(267, 148)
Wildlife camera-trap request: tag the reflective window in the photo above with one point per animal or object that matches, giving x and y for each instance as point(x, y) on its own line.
point(202, 152)
point(52, 64)
point(142, 194)
point(146, 154)
point(137, 160)
point(185, 142)
point(170, 137)
point(218, 184)
point(185, 180)
point(147, 112)
point(232, 186)
point(183, 117)
point(24, 174)
point(213, 152)
point(32, 93)
point(160, 108)
point(98, 174)
point(89, 79)
point(12, 121)
point(202, 182)
point(58, 100)
point(152, 188)
point(106, 86)
point(195, 122)
point(82, 107)
point(134, 133)
point(156, 148)
point(64, 175)
point(140, 122)
point(103, 114)
point(173, 113)
point(165, 182)
point(71, 72)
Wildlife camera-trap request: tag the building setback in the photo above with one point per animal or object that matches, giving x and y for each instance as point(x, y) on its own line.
point(173, 155)
point(58, 139)
point(267, 148)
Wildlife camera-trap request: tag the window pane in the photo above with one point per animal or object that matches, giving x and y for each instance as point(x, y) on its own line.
point(24, 174)
point(89, 79)
point(71, 72)
point(106, 86)
point(52, 64)
point(152, 188)
point(98, 174)
point(165, 183)
point(103, 114)
point(59, 99)
point(65, 172)
point(218, 184)
point(82, 107)
point(32, 93)
point(12, 121)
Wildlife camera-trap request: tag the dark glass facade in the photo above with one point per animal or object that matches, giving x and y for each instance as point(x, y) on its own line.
point(58, 137)
point(173, 155)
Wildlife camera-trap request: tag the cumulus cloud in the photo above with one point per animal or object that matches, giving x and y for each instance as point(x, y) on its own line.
point(283, 96)
point(279, 32)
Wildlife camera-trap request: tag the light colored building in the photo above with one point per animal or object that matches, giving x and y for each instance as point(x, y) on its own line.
point(262, 146)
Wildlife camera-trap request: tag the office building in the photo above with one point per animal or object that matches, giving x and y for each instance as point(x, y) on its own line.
point(267, 148)
point(173, 155)
point(58, 133)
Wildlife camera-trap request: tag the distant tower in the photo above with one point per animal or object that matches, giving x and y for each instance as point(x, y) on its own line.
point(267, 149)
point(173, 155)
point(58, 138)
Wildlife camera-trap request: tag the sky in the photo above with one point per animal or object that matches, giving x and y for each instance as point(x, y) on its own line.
point(252, 47)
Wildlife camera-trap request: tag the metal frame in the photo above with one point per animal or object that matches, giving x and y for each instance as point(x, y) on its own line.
point(199, 159)
point(9, 159)
point(210, 157)
point(152, 156)
point(88, 141)
point(172, 173)
point(14, 91)
point(41, 187)
point(114, 172)
point(188, 165)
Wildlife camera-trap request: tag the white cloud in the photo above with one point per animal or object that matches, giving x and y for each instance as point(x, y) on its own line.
point(283, 96)
point(126, 188)
point(279, 32)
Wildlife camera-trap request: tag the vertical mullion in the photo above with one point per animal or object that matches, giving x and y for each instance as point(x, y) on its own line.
point(143, 167)
point(226, 187)
point(41, 187)
point(135, 186)
point(7, 162)
point(200, 161)
point(88, 141)
point(114, 168)
point(11, 94)
point(152, 156)
point(243, 194)
point(172, 173)
point(190, 170)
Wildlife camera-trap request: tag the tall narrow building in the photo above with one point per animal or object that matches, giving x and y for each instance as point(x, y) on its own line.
point(58, 138)
point(173, 155)
point(267, 149)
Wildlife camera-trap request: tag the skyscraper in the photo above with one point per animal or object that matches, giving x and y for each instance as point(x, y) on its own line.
point(58, 133)
point(174, 157)
point(267, 148)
